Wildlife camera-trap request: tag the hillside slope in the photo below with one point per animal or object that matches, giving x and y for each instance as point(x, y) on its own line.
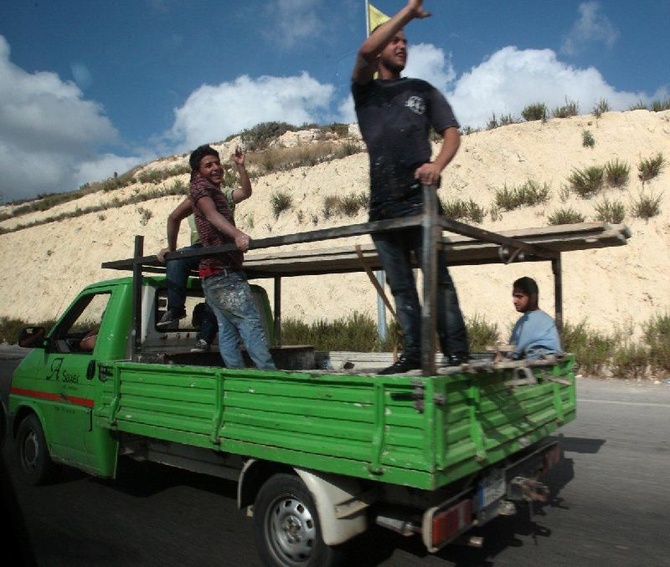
point(43, 267)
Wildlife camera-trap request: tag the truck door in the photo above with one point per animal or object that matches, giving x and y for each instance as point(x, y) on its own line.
point(67, 379)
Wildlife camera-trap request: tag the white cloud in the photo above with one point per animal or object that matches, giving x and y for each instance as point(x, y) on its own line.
point(429, 63)
point(507, 82)
point(212, 113)
point(46, 130)
point(511, 79)
point(591, 27)
point(50, 137)
point(106, 165)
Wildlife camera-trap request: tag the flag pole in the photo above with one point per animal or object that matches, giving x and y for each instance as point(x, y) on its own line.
point(367, 18)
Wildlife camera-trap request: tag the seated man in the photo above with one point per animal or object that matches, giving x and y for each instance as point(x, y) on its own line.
point(535, 334)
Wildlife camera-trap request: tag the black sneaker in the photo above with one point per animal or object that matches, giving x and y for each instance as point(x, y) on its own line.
point(169, 319)
point(400, 366)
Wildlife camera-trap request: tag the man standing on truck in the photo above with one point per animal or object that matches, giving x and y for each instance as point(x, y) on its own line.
point(178, 271)
point(395, 116)
point(224, 282)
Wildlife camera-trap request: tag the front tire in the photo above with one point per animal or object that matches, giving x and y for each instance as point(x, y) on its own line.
point(33, 454)
point(287, 529)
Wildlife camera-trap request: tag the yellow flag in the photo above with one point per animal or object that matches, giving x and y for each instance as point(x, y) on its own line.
point(375, 18)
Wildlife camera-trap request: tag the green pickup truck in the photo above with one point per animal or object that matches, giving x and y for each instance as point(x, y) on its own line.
point(319, 454)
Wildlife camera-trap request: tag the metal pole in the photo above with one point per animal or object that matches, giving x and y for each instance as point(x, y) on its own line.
point(431, 231)
point(136, 341)
point(381, 308)
point(277, 318)
point(556, 267)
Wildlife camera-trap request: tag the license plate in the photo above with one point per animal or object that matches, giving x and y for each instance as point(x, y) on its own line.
point(491, 488)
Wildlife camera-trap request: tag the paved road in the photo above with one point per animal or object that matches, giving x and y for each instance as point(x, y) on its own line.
point(610, 506)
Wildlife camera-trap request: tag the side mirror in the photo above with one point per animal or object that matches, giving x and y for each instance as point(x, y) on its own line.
point(32, 337)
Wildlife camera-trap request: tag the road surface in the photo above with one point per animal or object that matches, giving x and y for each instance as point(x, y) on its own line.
point(609, 508)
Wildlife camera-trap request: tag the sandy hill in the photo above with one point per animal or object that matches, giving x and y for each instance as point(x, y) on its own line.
point(42, 268)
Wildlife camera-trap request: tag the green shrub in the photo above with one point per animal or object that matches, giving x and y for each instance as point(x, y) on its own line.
point(535, 111)
point(529, 194)
point(458, 209)
point(348, 148)
point(280, 202)
point(657, 337)
point(592, 349)
point(588, 141)
point(157, 175)
point(356, 332)
point(646, 206)
point(492, 123)
point(481, 335)
point(507, 119)
point(650, 168)
point(587, 182)
point(260, 136)
point(600, 108)
point(616, 173)
point(639, 105)
point(660, 105)
point(347, 205)
point(565, 216)
point(145, 215)
point(610, 211)
point(630, 360)
point(338, 128)
point(570, 108)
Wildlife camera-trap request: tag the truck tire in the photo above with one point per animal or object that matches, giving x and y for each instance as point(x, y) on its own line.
point(35, 462)
point(286, 526)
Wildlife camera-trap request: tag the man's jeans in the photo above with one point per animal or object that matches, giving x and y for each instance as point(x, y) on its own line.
point(177, 272)
point(229, 296)
point(394, 248)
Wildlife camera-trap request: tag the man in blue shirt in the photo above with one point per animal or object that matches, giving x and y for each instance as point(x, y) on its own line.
point(535, 334)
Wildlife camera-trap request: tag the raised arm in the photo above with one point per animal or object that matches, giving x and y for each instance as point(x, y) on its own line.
point(244, 190)
point(366, 59)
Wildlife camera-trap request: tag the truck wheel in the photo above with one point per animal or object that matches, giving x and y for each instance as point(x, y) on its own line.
point(287, 529)
point(35, 462)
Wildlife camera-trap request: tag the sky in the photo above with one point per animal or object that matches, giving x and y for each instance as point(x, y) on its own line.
point(89, 88)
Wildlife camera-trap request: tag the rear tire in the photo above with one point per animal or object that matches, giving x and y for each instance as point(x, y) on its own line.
point(287, 528)
point(33, 454)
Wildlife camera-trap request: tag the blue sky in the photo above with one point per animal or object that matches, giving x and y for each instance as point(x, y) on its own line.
point(93, 87)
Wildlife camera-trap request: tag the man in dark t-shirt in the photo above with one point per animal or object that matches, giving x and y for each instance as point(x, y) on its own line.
point(395, 116)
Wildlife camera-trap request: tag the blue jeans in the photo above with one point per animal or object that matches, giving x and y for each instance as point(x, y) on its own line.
point(229, 296)
point(394, 249)
point(177, 272)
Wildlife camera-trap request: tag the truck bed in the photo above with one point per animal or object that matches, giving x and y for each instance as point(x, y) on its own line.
point(410, 429)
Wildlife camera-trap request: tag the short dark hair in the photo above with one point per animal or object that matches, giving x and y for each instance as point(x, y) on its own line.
point(527, 285)
point(199, 153)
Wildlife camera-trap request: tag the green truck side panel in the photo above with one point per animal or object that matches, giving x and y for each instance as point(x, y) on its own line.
point(417, 431)
point(424, 432)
